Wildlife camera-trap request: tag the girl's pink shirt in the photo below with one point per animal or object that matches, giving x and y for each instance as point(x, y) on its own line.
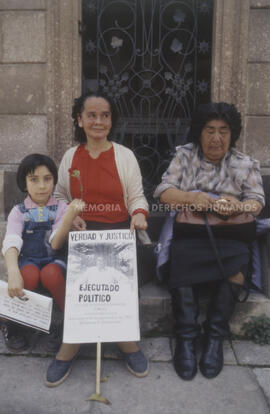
point(13, 237)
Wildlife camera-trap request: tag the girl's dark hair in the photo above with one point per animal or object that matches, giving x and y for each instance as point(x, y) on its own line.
point(208, 112)
point(28, 166)
point(78, 108)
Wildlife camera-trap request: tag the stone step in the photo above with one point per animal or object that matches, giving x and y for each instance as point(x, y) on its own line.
point(155, 307)
point(156, 321)
point(156, 316)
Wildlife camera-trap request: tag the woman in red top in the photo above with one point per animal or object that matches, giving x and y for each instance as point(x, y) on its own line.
point(107, 177)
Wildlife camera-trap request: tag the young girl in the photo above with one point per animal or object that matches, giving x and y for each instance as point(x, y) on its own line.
point(36, 229)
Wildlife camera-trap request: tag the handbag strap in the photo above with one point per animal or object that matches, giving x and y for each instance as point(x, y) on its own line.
point(220, 264)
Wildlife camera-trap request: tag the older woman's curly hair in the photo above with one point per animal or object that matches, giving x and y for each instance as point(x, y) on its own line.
point(208, 112)
point(78, 108)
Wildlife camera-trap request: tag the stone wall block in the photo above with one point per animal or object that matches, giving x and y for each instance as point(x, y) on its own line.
point(259, 89)
point(23, 37)
point(22, 4)
point(23, 89)
point(21, 135)
point(258, 138)
point(259, 35)
point(12, 193)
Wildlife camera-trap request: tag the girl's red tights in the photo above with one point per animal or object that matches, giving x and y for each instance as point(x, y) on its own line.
point(51, 278)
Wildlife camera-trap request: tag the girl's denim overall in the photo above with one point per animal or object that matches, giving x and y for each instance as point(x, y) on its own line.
point(36, 232)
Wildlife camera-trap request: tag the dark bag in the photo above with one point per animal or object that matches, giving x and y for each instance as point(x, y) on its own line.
point(198, 217)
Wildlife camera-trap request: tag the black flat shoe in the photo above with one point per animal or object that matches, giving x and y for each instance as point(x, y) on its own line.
point(185, 362)
point(15, 337)
point(211, 362)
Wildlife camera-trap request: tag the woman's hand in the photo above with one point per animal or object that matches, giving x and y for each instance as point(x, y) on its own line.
point(234, 207)
point(138, 221)
point(15, 283)
point(201, 201)
point(228, 206)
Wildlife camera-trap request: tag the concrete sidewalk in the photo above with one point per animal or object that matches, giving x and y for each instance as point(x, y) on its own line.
point(243, 387)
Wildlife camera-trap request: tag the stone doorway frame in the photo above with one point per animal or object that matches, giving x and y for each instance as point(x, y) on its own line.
point(229, 64)
point(230, 56)
point(63, 71)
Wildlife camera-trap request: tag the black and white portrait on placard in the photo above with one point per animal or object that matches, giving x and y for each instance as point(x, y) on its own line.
point(114, 258)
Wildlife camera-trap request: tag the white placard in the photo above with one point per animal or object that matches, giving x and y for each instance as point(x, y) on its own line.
point(35, 311)
point(101, 287)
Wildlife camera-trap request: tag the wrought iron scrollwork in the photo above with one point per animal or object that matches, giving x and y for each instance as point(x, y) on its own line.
point(153, 57)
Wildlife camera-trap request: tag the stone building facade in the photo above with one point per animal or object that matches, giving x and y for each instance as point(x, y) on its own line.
point(40, 74)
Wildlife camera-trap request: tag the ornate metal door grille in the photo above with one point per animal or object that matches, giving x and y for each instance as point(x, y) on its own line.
point(153, 57)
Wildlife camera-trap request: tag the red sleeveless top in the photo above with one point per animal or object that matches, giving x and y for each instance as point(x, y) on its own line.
point(96, 181)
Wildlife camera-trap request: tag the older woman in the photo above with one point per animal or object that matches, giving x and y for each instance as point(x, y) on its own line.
point(209, 174)
point(107, 177)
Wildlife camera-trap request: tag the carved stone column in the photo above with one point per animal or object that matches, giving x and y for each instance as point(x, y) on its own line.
point(230, 55)
point(63, 71)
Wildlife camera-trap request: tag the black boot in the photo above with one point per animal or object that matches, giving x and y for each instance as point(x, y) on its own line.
point(217, 328)
point(185, 311)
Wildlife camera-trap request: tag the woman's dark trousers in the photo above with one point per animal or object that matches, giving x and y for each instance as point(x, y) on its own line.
point(217, 328)
point(185, 311)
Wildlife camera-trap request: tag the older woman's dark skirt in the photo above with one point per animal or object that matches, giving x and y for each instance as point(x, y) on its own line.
point(192, 258)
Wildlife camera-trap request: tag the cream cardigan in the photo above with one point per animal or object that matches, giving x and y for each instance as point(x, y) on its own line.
point(130, 178)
